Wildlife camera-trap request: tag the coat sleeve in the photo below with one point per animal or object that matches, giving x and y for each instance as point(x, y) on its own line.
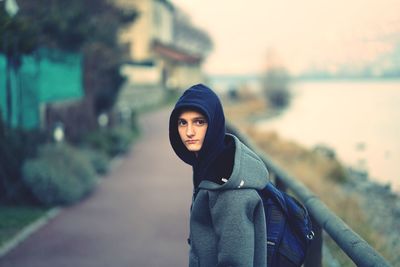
point(236, 225)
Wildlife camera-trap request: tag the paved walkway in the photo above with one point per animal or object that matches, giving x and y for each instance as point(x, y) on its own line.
point(137, 217)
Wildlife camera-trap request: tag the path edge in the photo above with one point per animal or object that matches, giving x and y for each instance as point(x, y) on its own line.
point(28, 231)
point(34, 226)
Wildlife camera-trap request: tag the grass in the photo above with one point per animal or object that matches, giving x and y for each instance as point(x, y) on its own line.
point(14, 218)
point(321, 174)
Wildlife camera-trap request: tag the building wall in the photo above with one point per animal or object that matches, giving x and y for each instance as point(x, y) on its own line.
point(188, 37)
point(140, 32)
point(187, 75)
point(155, 22)
point(162, 18)
point(141, 74)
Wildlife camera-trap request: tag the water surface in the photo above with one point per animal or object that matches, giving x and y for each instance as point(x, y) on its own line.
point(359, 120)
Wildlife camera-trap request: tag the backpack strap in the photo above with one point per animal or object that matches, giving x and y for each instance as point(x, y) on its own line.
point(276, 223)
point(270, 191)
point(293, 209)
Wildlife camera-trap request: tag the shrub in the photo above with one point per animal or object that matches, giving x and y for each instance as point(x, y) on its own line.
point(60, 175)
point(16, 146)
point(98, 141)
point(98, 160)
point(121, 139)
point(337, 173)
point(112, 141)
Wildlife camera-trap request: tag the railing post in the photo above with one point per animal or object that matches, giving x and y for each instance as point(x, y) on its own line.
point(314, 254)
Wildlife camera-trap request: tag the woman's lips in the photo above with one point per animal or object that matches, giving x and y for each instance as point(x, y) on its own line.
point(191, 142)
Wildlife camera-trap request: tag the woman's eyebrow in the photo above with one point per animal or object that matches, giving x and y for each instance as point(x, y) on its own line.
point(195, 118)
point(199, 118)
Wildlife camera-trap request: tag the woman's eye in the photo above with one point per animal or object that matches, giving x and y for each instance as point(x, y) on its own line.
point(201, 122)
point(181, 122)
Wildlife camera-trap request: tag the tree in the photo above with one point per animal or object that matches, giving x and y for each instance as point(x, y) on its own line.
point(89, 27)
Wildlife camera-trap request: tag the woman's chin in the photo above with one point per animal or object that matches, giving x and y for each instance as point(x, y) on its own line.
point(193, 148)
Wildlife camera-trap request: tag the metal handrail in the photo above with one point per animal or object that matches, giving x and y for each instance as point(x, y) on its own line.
point(359, 251)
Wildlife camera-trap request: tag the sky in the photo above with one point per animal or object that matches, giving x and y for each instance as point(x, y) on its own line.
point(250, 35)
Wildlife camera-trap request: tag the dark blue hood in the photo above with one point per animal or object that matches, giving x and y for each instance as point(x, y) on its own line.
point(204, 100)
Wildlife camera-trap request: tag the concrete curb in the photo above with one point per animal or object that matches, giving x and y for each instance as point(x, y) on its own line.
point(28, 230)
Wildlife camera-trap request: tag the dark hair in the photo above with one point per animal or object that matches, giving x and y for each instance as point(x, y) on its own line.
point(185, 109)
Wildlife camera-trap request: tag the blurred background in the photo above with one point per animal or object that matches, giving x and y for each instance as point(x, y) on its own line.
point(315, 84)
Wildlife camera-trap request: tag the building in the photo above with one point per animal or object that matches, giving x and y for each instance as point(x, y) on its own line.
point(165, 50)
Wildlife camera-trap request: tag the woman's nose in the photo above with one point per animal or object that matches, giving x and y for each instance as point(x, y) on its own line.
point(190, 130)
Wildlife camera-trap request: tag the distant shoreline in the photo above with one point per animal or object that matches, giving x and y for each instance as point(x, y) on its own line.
point(248, 77)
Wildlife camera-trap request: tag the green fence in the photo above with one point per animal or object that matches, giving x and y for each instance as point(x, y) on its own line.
point(45, 77)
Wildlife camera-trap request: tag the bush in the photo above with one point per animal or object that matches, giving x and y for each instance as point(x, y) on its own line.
point(121, 139)
point(98, 160)
point(60, 175)
point(16, 146)
point(337, 173)
point(98, 141)
point(112, 141)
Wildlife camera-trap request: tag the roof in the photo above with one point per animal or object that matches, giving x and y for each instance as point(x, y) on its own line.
point(175, 54)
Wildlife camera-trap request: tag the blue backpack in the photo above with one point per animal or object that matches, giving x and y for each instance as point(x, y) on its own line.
point(289, 229)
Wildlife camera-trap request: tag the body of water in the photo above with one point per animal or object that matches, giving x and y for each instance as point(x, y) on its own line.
point(359, 120)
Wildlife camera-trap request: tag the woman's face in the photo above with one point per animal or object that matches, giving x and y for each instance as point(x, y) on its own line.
point(192, 128)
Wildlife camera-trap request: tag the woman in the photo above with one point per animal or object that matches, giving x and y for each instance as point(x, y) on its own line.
point(227, 222)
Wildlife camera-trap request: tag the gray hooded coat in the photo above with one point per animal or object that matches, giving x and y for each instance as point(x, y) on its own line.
point(227, 221)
